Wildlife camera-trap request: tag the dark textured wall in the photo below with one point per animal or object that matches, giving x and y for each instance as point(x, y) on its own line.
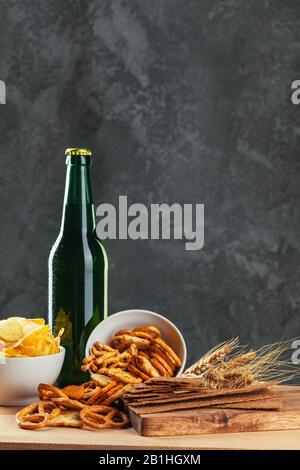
point(182, 101)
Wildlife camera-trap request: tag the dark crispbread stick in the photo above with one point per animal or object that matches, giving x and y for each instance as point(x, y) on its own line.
point(198, 403)
point(188, 393)
point(134, 390)
point(204, 399)
point(200, 392)
point(270, 404)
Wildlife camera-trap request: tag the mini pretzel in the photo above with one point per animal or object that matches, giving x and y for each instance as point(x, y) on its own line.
point(86, 367)
point(48, 408)
point(101, 346)
point(142, 334)
point(116, 363)
point(158, 366)
point(164, 355)
point(105, 356)
point(121, 365)
point(122, 358)
point(47, 392)
point(104, 417)
point(30, 417)
point(145, 366)
point(163, 345)
point(75, 392)
point(68, 403)
point(112, 395)
point(141, 343)
point(87, 362)
point(124, 377)
point(29, 410)
point(121, 361)
point(134, 370)
point(90, 389)
point(111, 361)
point(31, 422)
point(100, 379)
point(101, 393)
point(125, 356)
point(67, 418)
point(144, 354)
point(88, 359)
point(133, 350)
point(155, 332)
point(94, 368)
point(103, 371)
point(116, 395)
point(97, 352)
point(159, 358)
point(118, 342)
point(123, 332)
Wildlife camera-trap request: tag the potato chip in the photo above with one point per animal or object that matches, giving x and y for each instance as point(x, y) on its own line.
point(10, 331)
point(27, 327)
point(21, 337)
point(39, 321)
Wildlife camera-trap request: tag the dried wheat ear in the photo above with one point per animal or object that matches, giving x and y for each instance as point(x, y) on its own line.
point(230, 365)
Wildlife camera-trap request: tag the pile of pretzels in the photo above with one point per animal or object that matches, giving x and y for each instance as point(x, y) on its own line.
point(70, 407)
point(133, 356)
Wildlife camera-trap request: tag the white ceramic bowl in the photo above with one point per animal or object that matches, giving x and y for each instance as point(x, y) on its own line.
point(133, 318)
point(20, 377)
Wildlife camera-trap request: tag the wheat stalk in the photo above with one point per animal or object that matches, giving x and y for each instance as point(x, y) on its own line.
point(212, 357)
point(229, 365)
point(239, 360)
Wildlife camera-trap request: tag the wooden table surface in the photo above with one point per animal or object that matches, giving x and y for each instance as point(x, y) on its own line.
point(11, 437)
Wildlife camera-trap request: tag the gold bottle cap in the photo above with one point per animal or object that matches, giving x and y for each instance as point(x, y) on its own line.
point(78, 151)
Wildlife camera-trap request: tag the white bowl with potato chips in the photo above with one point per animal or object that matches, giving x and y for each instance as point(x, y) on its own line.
point(29, 355)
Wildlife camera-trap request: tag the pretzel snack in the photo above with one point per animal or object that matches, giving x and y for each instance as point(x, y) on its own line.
point(68, 403)
point(95, 399)
point(75, 392)
point(104, 417)
point(66, 419)
point(46, 392)
point(34, 416)
point(133, 356)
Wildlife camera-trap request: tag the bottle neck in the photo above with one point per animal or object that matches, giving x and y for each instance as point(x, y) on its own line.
point(78, 210)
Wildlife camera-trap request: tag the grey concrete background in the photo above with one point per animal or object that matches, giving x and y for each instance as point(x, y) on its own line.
point(182, 101)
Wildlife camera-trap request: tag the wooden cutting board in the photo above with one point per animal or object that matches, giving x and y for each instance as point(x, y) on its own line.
point(208, 420)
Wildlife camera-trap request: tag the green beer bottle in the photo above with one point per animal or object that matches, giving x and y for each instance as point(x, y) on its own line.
point(77, 269)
